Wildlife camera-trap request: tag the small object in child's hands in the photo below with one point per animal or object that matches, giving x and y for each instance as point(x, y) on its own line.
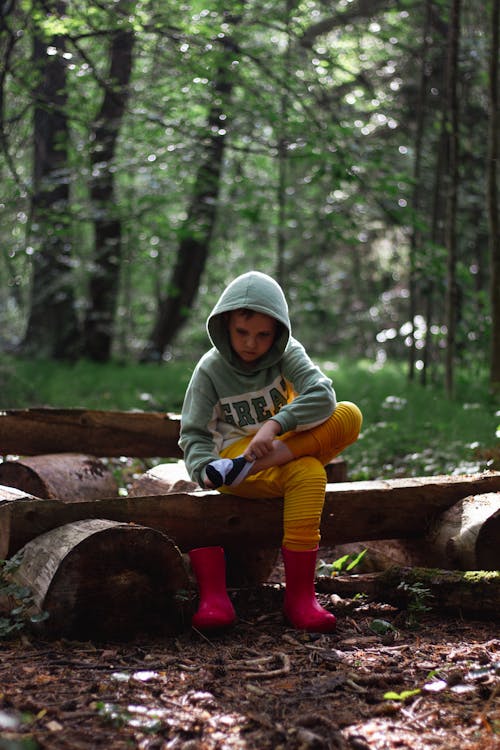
point(228, 471)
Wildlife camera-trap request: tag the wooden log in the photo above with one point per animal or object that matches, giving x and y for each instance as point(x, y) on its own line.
point(30, 432)
point(473, 592)
point(102, 579)
point(353, 511)
point(65, 476)
point(464, 537)
point(162, 480)
point(248, 566)
point(467, 535)
point(336, 470)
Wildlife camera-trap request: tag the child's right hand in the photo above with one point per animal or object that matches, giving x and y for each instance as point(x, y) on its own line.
point(262, 442)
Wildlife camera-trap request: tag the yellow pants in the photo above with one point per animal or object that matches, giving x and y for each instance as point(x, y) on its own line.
point(301, 481)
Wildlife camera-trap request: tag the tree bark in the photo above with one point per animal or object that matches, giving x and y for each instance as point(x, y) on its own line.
point(493, 197)
point(99, 578)
point(452, 136)
point(198, 228)
point(104, 280)
point(65, 476)
point(475, 593)
point(98, 433)
point(464, 537)
point(52, 329)
point(399, 508)
point(467, 535)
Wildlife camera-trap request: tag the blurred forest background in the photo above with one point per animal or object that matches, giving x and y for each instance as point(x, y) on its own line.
point(151, 150)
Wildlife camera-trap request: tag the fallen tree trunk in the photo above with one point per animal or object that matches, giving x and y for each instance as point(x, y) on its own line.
point(30, 432)
point(65, 476)
point(472, 592)
point(464, 537)
point(100, 578)
point(353, 511)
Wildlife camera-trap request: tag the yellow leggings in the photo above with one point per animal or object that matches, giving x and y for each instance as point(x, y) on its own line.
point(301, 481)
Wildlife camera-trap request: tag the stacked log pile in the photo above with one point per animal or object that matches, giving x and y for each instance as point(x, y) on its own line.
point(99, 562)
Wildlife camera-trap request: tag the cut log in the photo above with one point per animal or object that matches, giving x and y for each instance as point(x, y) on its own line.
point(65, 476)
point(99, 578)
point(30, 432)
point(474, 592)
point(162, 480)
point(398, 508)
point(467, 535)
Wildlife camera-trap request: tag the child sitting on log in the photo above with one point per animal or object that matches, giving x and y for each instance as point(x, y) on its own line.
point(260, 420)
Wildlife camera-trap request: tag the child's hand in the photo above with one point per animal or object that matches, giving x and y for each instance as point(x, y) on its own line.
point(262, 442)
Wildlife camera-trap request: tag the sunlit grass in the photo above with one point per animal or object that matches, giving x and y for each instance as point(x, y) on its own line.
point(408, 430)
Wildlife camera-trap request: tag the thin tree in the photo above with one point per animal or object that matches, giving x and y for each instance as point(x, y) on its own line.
point(104, 279)
point(198, 227)
point(492, 198)
point(416, 234)
point(452, 194)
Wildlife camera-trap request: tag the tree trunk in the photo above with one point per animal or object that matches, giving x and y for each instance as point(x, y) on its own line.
point(98, 578)
point(451, 193)
point(399, 508)
point(52, 329)
point(104, 280)
point(464, 537)
point(198, 228)
point(475, 593)
point(65, 476)
point(98, 433)
point(493, 198)
point(416, 233)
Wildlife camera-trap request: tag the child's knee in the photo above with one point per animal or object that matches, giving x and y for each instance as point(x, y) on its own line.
point(351, 419)
point(305, 469)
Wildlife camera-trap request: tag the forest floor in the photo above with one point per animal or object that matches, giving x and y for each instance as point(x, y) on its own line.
point(262, 685)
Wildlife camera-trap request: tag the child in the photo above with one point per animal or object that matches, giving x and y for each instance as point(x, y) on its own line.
point(260, 420)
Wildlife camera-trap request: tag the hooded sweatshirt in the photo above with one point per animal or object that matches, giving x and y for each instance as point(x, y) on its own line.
point(228, 399)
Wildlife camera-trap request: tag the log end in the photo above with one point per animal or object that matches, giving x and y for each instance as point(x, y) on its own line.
point(100, 579)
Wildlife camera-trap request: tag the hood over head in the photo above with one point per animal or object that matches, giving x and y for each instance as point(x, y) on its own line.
point(251, 291)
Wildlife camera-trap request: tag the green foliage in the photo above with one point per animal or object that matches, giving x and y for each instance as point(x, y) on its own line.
point(19, 600)
point(343, 564)
point(418, 597)
point(88, 385)
point(336, 86)
point(408, 430)
point(404, 695)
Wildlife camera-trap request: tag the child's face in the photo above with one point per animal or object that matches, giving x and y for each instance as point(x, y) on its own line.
point(251, 337)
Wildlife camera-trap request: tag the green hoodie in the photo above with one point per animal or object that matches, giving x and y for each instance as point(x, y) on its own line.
point(227, 399)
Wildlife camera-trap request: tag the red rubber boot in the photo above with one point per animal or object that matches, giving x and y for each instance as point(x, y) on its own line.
point(301, 607)
point(215, 609)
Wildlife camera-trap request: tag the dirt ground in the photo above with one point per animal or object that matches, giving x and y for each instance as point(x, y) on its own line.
point(382, 681)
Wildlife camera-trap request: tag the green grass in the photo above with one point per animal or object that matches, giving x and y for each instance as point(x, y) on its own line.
point(36, 383)
point(408, 430)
